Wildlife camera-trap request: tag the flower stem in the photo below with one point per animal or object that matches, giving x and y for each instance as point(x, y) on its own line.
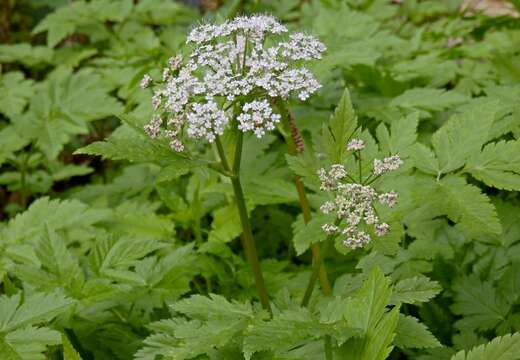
point(247, 234)
point(296, 145)
point(328, 348)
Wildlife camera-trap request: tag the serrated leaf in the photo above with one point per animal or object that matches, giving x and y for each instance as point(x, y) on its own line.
point(415, 290)
point(410, 333)
point(461, 137)
point(369, 304)
point(479, 304)
point(62, 105)
point(341, 127)
point(306, 234)
point(25, 53)
point(36, 308)
point(428, 99)
point(15, 91)
point(500, 348)
point(30, 342)
point(57, 214)
point(212, 307)
point(65, 20)
point(69, 353)
point(498, 165)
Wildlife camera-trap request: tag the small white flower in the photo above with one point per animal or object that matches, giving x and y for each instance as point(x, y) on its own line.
point(175, 62)
point(258, 117)
point(153, 128)
point(387, 164)
point(381, 229)
point(330, 229)
point(145, 81)
point(389, 198)
point(355, 145)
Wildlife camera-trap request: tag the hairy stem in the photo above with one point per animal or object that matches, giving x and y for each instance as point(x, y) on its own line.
point(296, 145)
point(248, 242)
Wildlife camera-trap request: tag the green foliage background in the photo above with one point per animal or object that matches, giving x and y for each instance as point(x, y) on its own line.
point(135, 254)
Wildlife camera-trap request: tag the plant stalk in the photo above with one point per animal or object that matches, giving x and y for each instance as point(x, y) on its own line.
point(247, 233)
point(295, 146)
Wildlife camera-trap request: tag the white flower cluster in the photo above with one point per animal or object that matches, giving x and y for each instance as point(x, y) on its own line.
point(257, 116)
point(232, 65)
point(387, 164)
point(353, 203)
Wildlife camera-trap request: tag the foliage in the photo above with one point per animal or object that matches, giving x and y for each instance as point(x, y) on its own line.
point(113, 246)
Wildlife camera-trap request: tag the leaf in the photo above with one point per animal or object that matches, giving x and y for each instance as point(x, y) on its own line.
point(280, 333)
point(15, 91)
point(498, 165)
point(479, 304)
point(30, 342)
point(428, 99)
point(306, 234)
point(225, 225)
point(410, 333)
point(415, 290)
point(212, 307)
point(341, 127)
point(402, 137)
point(461, 137)
point(368, 306)
point(65, 20)
point(25, 53)
point(462, 203)
point(500, 348)
point(38, 307)
point(62, 269)
point(63, 104)
point(425, 160)
point(57, 214)
point(125, 143)
point(468, 207)
point(69, 353)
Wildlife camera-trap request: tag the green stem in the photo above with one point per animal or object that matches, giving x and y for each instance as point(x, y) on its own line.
point(328, 348)
point(295, 145)
point(359, 166)
point(247, 233)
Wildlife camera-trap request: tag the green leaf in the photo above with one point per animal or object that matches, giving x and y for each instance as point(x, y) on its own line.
point(212, 307)
point(479, 304)
point(15, 91)
point(69, 353)
point(368, 306)
point(500, 348)
point(462, 203)
point(461, 137)
point(341, 127)
point(126, 143)
point(415, 290)
point(65, 20)
point(36, 308)
point(57, 214)
point(428, 99)
point(306, 234)
point(410, 333)
point(425, 160)
point(63, 104)
point(57, 268)
point(30, 342)
point(280, 334)
point(402, 137)
point(498, 165)
point(25, 53)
